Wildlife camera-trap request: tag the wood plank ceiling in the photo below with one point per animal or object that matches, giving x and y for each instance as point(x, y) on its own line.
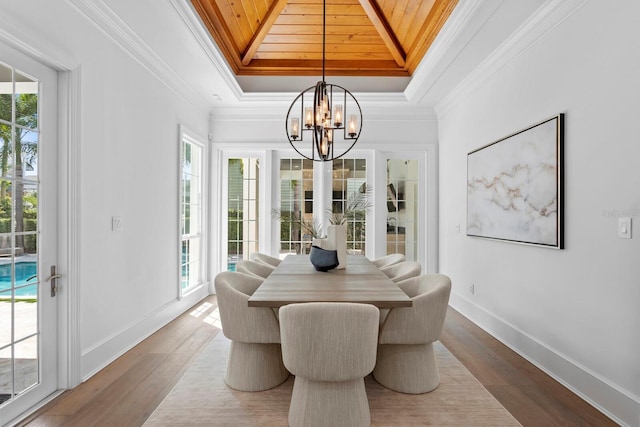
point(363, 37)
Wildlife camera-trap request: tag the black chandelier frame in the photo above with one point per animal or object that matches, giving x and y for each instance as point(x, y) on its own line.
point(325, 123)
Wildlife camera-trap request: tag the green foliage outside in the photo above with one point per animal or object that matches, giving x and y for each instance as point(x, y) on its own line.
point(353, 217)
point(18, 153)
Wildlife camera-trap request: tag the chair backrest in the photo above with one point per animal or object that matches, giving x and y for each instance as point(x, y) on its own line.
point(239, 321)
point(389, 260)
point(402, 271)
point(264, 258)
point(254, 268)
point(422, 322)
point(329, 341)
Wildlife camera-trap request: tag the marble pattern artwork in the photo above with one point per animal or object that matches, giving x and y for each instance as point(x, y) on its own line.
point(513, 187)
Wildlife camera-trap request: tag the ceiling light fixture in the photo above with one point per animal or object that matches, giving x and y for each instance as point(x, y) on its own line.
point(326, 124)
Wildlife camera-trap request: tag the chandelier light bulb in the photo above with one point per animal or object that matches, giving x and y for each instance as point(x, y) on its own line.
point(308, 117)
point(337, 116)
point(295, 128)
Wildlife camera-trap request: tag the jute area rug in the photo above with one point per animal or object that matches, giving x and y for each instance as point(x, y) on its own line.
point(202, 398)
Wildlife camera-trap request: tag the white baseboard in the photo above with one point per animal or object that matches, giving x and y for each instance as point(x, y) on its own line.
point(99, 356)
point(620, 406)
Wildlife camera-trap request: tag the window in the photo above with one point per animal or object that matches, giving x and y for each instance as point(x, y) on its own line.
point(243, 209)
point(350, 200)
point(402, 207)
point(296, 206)
point(299, 198)
point(192, 265)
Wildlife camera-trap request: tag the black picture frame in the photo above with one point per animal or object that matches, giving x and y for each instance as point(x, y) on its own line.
point(515, 187)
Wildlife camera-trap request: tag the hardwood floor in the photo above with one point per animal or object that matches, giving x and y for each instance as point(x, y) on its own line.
point(530, 395)
point(127, 391)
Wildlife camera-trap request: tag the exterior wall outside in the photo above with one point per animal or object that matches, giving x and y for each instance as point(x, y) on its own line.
point(573, 312)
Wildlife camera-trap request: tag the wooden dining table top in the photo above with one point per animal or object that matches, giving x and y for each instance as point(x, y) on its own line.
point(296, 281)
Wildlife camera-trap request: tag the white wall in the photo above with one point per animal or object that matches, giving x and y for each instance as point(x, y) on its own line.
point(128, 167)
point(574, 312)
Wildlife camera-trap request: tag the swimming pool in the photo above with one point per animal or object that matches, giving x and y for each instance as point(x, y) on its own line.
point(24, 272)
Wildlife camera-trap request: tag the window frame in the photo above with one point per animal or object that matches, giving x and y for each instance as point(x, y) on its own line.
point(186, 136)
point(264, 198)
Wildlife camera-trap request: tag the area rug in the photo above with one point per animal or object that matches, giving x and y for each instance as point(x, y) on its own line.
point(201, 398)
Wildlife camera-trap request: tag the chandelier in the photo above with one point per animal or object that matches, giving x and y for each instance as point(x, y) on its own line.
point(324, 108)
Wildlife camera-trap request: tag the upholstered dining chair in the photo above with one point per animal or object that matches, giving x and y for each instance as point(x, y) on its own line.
point(406, 360)
point(389, 260)
point(254, 268)
point(330, 348)
point(264, 258)
point(255, 355)
point(402, 270)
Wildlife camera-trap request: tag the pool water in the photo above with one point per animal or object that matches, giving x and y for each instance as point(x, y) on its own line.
point(24, 271)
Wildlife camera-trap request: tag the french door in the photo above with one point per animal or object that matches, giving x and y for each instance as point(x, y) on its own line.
point(28, 233)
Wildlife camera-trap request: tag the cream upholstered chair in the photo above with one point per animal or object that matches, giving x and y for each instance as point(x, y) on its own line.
point(254, 268)
point(406, 360)
point(264, 258)
point(389, 260)
point(402, 270)
point(330, 348)
point(255, 356)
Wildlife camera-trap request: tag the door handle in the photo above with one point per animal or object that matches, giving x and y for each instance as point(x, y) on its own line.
point(54, 280)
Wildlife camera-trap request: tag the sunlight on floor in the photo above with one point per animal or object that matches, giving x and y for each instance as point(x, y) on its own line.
point(201, 309)
point(212, 318)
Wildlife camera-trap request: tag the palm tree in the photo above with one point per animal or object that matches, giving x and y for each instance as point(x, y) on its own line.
point(24, 151)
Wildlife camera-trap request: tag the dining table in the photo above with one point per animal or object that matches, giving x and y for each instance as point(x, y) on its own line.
point(295, 280)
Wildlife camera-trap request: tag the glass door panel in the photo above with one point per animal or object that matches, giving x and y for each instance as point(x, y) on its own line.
point(28, 233)
point(242, 209)
point(350, 202)
point(402, 207)
point(297, 225)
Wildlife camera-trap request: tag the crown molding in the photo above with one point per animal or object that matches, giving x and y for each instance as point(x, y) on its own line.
point(444, 42)
point(209, 47)
point(273, 107)
point(548, 16)
point(49, 55)
point(106, 20)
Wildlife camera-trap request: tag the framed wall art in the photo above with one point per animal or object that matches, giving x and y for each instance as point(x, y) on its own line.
point(515, 187)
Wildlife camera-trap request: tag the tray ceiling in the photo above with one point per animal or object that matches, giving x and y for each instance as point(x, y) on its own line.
point(363, 37)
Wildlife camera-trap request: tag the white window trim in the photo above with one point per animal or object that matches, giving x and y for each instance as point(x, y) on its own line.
point(194, 138)
point(264, 219)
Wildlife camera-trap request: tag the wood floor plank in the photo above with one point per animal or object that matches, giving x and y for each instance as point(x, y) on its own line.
point(533, 397)
point(135, 406)
point(127, 391)
point(520, 406)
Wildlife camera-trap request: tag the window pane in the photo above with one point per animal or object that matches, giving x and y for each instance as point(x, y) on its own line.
point(243, 209)
point(6, 306)
point(6, 155)
point(350, 201)
point(297, 227)
point(6, 93)
point(26, 364)
point(191, 206)
point(26, 97)
point(6, 374)
point(26, 318)
point(402, 207)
